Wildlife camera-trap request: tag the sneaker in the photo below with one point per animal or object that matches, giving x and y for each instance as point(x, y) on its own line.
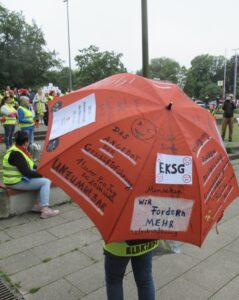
point(49, 212)
point(37, 208)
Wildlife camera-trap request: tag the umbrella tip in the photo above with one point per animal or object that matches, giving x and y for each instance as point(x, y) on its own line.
point(169, 106)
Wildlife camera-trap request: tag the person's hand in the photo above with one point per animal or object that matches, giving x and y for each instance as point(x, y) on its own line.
point(13, 115)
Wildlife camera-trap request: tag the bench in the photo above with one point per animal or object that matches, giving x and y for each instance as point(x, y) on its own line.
point(15, 202)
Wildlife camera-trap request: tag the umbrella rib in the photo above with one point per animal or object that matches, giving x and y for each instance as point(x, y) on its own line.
point(109, 124)
point(184, 116)
point(200, 188)
point(136, 181)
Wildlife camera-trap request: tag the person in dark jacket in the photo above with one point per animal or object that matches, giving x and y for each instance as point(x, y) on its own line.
point(19, 172)
point(228, 107)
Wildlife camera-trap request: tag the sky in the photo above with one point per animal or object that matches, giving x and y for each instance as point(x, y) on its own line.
point(177, 29)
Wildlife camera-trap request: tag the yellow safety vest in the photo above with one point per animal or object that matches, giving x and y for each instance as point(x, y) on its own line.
point(11, 174)
point(123, 249)
point(10, 120)
point(28, 116)
point(49, 98)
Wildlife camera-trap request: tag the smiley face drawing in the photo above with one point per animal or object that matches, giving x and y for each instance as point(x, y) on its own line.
point(143, 129)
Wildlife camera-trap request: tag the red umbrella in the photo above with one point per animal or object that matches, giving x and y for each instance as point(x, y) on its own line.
point(140, 158)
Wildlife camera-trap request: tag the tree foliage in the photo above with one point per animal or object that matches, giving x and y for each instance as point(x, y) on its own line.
point(94, 65)
point(24, 58)
point(205, 70)
point(26, 62)
point(163, 68)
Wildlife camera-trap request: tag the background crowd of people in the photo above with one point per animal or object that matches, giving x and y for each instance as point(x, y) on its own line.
point(25, 108)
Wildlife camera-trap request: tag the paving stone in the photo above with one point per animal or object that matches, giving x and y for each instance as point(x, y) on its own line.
point(51, 271)
point(38, 225)
point(181, 289)
point(74, 214)
point(64, 245)
point(99, 294)
point(59, 290)
point(94, 250)
point(213, 272)
point(228, 292)
point(24, 243)
point(19, 262)
point(71, 227)
point(14, 221)
point(168, 267)
point(233, 246)
point(130, 288)
point(68, 207)
point(231, 211)
point(214, 242)
point(89, 279)
point(4, 237)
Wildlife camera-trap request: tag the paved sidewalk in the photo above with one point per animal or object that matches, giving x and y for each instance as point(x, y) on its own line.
point(61, 259)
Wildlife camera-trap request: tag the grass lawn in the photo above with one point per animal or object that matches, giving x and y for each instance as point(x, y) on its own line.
point(235, 136)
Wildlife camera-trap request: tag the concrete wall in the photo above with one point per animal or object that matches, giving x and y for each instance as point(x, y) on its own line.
point(22, 202)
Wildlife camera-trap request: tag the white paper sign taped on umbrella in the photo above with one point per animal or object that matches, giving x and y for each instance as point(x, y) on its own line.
point(173, 169)
point(161, 213)
point(73, 116)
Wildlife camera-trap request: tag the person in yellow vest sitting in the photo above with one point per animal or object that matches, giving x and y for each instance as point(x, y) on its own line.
point(19, 172)
point(26, 119)
point(117, 257)
point(9, 119)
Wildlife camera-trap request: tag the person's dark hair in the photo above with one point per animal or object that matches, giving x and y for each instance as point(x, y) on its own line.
point(4, 99)
point(21, 137)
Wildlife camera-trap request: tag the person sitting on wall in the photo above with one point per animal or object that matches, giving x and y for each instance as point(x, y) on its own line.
point(19, 172)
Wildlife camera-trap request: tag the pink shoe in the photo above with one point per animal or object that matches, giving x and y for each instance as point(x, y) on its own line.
point(49, 212)
point(37, 208)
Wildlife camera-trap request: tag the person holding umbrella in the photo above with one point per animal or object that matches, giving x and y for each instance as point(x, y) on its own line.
point(117, 257)
point(19, 172)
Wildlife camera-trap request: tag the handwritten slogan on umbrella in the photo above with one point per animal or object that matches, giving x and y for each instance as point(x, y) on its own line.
point(140, 170)
point(173, 169)
point(161, 213)
point(73, 116)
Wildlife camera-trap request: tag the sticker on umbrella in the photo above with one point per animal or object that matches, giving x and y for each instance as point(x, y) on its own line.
point(73, 116)
point(173, 169)
point(161, 213)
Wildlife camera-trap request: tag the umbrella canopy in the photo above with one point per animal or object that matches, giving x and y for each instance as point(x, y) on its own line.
point(140, 158)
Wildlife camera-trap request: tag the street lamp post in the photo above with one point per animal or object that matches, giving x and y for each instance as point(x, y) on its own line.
point(235, 75)
point(69, 46)
point(145, 51)
point(224, 76)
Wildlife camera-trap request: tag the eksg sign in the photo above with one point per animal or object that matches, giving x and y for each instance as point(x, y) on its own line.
point(173, 169)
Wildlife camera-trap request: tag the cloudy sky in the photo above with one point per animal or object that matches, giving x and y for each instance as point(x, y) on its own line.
point(178, 29)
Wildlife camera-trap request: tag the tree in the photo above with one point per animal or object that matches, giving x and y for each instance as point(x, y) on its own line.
point(24, 58)
point(60, 78)
point(205, 69)
point(95, 65)
point(211, 90)
point(163, 68)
